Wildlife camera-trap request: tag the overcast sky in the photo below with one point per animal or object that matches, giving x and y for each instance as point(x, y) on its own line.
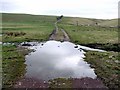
point(101, 9)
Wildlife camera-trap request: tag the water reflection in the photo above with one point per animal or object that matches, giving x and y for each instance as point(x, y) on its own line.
point(54, 59)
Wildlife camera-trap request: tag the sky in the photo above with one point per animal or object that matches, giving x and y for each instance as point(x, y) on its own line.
point(100, 9)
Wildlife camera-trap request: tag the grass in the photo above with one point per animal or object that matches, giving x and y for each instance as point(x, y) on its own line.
point(93, 36)
point(60, 83)
point(89, 21)
point(36, 28)
point(107, 67)
point(0, 38)
point(106, 64)
point(84, 31)
point(0, 65)
point(30, 36)
point(13, 66)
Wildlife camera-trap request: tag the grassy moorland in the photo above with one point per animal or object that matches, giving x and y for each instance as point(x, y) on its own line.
point(92, 34)
point(84, 31)
point(102, 37)
point(107, 67)
point(13, 66)
point(19, 28)
point(0, 65)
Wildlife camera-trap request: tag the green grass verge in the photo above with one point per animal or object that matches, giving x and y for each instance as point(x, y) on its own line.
point(13, 66)
point(38, 28)
point(60, 83)
point(107, 67)
point(91, 34)
point(0, 65)
point(21, 28)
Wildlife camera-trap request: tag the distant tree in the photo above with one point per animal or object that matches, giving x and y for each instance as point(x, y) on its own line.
point(58, 18)
point(96, 23)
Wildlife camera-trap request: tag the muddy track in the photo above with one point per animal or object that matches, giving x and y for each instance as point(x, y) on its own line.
point(52, 36)
point(83, 83)
point(66, 37)
point(55, 34)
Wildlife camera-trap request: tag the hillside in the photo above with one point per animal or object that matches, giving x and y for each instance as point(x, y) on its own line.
point(26, 29)
point(51, 19)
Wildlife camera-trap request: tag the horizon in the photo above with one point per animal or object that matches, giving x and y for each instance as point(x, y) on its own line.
point(57, 16)
point(98, 9)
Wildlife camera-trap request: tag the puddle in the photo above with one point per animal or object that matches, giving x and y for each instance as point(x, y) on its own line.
point(21, 44)
point(29, 43)
point(90, 49)
point(8, 43)
point(54, 59)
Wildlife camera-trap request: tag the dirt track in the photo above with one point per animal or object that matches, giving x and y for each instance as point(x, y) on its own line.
point(88, 83)
point(31, 83)
point(83, 83)
point(55, 34)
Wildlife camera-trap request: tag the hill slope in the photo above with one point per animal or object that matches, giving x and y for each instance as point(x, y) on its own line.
point(52, 19)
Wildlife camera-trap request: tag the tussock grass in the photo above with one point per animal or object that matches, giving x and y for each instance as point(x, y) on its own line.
point(107, 67)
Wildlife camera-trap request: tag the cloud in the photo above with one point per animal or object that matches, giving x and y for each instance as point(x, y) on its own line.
point(84, 8)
